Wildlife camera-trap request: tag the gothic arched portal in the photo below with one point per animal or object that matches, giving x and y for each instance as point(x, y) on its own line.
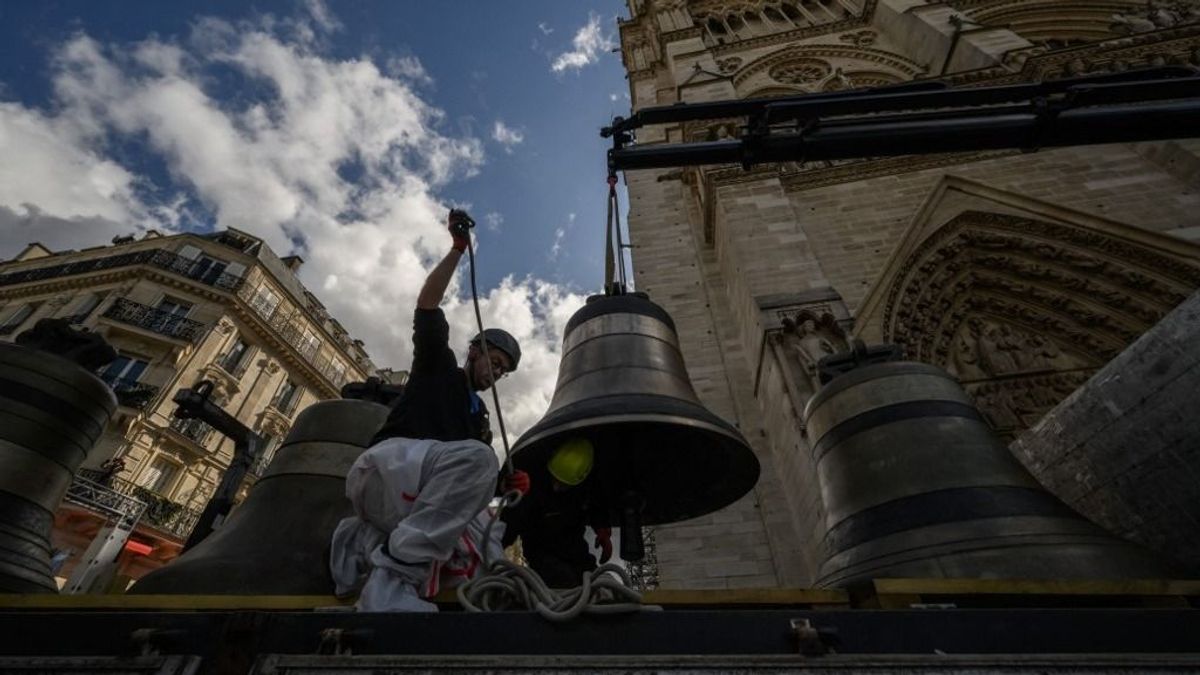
point(1023, 310)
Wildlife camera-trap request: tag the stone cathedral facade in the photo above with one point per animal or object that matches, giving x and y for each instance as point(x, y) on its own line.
point(1023, 274)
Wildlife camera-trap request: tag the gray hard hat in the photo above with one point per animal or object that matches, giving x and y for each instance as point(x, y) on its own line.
point(502, 340)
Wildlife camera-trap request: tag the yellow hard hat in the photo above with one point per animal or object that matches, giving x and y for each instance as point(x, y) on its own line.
point(572, 461)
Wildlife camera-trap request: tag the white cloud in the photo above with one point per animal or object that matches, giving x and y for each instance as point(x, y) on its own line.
point(545, 28)
point(321, 15)
point(559, 233)
point(272, 163)
point(494, 220)
point(409, 68)
point(589, 43)
point(507, 136)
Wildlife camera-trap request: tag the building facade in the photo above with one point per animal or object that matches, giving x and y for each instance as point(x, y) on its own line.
point(220, 307)
point(1022, 274)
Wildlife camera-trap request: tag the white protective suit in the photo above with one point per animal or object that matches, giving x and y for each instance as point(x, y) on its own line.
point(420, 514)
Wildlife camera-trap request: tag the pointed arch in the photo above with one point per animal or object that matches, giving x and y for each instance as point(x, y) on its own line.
point(1024, 310)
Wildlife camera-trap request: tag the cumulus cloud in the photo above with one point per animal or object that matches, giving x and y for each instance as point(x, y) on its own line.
point(338, 160)
point(410, 68)
point(589, 43)
point(506, 135)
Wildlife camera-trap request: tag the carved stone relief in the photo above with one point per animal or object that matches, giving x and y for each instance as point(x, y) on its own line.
point(1023, 310)
point(805, 332)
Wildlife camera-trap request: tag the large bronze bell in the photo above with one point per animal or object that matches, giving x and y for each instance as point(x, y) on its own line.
point(52, 411)
point(915, 484)
point(277, 541)
point(660, 456)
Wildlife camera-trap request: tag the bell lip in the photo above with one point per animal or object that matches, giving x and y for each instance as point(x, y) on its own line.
point(742, 486)
point(522, 442)
point(871, 372)
point(629, 303)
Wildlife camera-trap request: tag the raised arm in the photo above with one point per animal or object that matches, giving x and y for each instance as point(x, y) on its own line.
point(439, 279)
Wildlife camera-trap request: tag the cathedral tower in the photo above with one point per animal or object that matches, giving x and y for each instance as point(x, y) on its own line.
point(1022, 274)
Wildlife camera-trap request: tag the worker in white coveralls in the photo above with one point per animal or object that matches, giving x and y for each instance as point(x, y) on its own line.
point(420, 492)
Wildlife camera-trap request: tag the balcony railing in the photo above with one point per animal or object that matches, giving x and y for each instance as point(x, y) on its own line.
point(197, 270)
point(156, 320)
point(196, 430)
point(288, 323)
point(161, 512)
point(131, 393)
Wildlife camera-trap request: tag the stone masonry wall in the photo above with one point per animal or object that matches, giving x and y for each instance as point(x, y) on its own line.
point(853, 227)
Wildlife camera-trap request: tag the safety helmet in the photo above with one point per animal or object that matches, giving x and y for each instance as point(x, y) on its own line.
point(503, 341)
point(572, 461)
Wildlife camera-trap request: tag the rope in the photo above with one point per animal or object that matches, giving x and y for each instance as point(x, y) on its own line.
point(488, 360)
point(509, 586)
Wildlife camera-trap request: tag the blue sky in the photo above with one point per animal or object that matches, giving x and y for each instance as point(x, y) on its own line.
point(343, 129)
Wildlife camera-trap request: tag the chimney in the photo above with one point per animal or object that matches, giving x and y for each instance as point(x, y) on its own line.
point(293, 262)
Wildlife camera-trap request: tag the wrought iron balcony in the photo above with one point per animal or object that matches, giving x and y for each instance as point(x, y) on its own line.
point(156, 320)
point(288, 323)
point(89, 489)
point(131, 393)
point(196, 430)
point(197, 270)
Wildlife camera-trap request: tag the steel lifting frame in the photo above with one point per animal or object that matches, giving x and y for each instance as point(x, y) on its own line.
point(925, 118)
point(194, 403)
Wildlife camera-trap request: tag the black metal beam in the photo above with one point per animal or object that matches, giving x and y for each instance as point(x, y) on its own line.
point(194, 403)
point(905, 96)
point(895, 135)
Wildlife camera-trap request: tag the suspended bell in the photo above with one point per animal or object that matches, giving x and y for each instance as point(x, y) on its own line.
point(52, 412)
point(916, 485)
point(659, 456)
point(277, 541)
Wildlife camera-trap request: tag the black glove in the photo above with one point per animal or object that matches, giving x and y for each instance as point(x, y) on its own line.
point(459, 224)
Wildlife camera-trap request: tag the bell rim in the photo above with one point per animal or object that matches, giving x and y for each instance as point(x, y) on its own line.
point(627, 418)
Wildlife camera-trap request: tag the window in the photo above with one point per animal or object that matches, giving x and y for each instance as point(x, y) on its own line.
point(170, 311)
point(232, 361)
point(338, 369)
point(207, 269)
point(174, 307)
point(123, 369)
point(158, 476)
point(285, 399)
point(17, 318)
point(85, 308)
point(310, 343)
point(269, 446)
point(264, 301)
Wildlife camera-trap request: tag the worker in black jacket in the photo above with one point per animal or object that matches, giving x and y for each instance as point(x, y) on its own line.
point(430, 473)
point(551, 519)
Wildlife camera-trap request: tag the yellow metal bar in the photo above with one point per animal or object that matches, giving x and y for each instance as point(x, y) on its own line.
point(1038, 587)
point(171, 602)
point(747, 596)
point(709, 598)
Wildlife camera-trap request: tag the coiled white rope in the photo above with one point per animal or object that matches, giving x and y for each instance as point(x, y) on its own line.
point(509, 586)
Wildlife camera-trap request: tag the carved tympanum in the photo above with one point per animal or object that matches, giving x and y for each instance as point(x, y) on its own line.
point(1024, 310)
